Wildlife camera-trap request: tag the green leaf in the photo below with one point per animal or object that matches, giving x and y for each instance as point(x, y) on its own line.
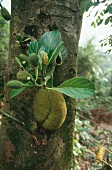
point(10, 117)
point(88, 5)
point(52, 40)
point(93, 24)
point(18, 61)
point(109, 8)
point(50, 70)
point(100, 22)
point(50, 82)
point(102, 13)
point(107, 20)
point(15, 92)
point(63, 52)
point(77, 88)
point(33, 47)
point(96, 3)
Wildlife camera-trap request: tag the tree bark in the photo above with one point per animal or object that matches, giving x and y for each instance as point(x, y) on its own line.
point(45, 150)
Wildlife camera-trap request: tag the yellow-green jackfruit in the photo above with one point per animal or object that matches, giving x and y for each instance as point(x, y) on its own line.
point(49, 108)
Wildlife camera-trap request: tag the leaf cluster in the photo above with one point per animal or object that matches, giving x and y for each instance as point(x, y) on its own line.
point(39, 65)
point(102, 16)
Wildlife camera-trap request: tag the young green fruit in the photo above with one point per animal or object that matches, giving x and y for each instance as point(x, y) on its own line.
point(5, 14)
point(23, 59)
point(23, 75)
point(49, 108)
point(15, 84)
point(34, 59)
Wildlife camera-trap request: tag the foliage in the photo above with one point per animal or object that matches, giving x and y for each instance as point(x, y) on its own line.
point(87, 145)
point(40, 57)
point(103, 15)
point(40, 63)
point(96, 66)
point(89, 61)
point(91, 112)
point(4, 37)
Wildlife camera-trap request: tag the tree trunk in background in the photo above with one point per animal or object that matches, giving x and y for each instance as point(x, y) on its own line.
point(53, 150)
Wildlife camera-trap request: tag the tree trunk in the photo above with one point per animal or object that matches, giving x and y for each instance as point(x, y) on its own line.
point(45, 150)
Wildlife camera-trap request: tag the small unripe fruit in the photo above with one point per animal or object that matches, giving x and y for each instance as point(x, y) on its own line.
point(34, 59)
point(15, 84)
point(5, 14)
point(23, 75)
point(23, 59)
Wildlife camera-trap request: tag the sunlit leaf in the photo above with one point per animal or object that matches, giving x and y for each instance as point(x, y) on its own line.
point(15, 92)
point(53, 41)
point(77, 88)
point(33, 47)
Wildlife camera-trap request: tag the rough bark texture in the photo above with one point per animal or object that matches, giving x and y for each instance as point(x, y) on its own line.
point(53, 149)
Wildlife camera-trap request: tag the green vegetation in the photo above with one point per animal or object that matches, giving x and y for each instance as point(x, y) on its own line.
point(90, 134)
point(4, 40)
point(35, 73)
point(92, 115)
point(103, 15)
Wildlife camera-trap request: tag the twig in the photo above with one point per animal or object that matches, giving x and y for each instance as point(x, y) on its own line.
point(94, 122)
point(108, 150)
point(107, 164)
point(102, 160)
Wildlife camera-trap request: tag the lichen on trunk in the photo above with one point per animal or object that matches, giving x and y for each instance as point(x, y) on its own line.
point(41, 149)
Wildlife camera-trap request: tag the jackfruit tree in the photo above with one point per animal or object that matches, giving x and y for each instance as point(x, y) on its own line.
point(40, 125)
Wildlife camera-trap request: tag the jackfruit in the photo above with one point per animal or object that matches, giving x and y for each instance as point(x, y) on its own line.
point(49, 108)
point(15, 84)
point(23, 59)
point(5, 14)
point(34, 59)
point(23, 75)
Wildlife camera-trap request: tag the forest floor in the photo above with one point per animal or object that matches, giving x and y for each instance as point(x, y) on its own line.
point(101, 130)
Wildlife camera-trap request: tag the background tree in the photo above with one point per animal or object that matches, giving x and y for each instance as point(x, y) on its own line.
point(93, 118)
point(3, 52)
point(50, 150)
point(103, 15)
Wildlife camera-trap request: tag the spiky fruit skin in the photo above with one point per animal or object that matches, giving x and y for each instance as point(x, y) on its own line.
point(15, 84)
point(34, 59)
point(49, 108)
point(5, 14)
point(23, 75)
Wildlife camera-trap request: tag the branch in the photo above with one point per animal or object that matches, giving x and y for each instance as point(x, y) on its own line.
point(94, 122)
